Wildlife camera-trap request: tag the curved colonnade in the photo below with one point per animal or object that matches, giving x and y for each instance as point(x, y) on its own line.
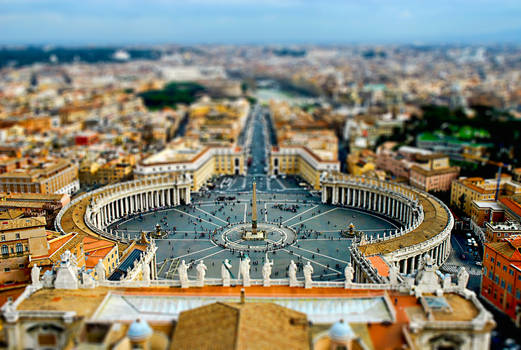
point(94, 212)
point(426, 221)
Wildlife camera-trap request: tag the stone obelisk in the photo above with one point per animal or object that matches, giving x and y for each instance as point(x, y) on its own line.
point(254, 210)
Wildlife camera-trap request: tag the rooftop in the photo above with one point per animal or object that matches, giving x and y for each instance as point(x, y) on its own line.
point(235, 325)
point(435, 220)
point(488, 205)
point(19, 223)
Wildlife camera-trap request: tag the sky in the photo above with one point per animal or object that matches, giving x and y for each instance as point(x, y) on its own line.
point(114, 22)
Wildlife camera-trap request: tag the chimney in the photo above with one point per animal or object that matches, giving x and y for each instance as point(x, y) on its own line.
point(242, 296)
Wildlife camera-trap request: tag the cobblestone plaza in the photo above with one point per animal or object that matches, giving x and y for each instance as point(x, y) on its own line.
point(196, 231)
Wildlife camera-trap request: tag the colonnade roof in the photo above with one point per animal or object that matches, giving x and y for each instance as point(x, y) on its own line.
point(73, 221)
point(435, 220)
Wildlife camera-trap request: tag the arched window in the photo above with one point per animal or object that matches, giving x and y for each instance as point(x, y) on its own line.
point(19, 248)
point(5, 250)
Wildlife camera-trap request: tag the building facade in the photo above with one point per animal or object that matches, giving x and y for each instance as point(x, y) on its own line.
point(465, 190)
point(42, 176)
point(19, 240)
point(501, 280)
point(301, 161)
point(199, 163)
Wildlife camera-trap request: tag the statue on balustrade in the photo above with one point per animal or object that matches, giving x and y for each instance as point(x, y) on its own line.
point(244, 271)
point(308, 272)
point(201, 272)
point(226, 272)
point(183, 274)
point(349, 273)
point(266, 271)
point(292, 274)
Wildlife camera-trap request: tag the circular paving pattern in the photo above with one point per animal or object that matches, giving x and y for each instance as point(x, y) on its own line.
point(277, 237)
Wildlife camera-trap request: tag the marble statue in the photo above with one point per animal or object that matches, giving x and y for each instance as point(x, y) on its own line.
point(35, 276)
point(225, 272)
point(427, 279)
point(48, 279)
point(463, 278)
point(183, 274)
point(67, 274)
point(393, 274)
point(201, 272)
point(292, 274)
point(100, 270)
point(9, 306)
point(308, 271)
point(244, 271)
point(349, 273)
point(266, 272)
point(146, 272)
point(447, 282)
point(87, 281)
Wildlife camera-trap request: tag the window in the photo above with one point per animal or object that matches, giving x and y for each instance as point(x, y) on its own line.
point(47, 339)
point(498, 264)
point(497, 279)
point(490, 275)
point(518, 294)
point(19, 248)
point(17, 236)
point(5, 250)
point(504, 268)
point(7, 269)
point(509, 288)
point(502, 283)
point(492, 259)
point(3, 237)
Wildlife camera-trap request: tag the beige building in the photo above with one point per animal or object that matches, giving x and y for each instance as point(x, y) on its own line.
point(465, 190)
point(42, 176)
point(116, 170)
point(96, 249)
point(20, 239)
point(34, 204)
point(190, 157)
point(363, 163)
point(301, 161)
point(432, 172)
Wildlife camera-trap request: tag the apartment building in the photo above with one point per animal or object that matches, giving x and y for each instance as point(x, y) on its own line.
point(501, 280)
point(42, 176)
point(465, 190)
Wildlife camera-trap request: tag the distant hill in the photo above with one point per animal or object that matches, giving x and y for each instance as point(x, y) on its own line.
point(24, 56)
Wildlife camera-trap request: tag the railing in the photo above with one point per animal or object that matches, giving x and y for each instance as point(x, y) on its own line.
point(239, 282)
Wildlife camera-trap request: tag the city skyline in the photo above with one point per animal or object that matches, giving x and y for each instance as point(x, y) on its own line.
point(258, 22)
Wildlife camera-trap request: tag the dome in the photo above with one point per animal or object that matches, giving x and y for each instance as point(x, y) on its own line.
point(341, 331)
point(139, 330)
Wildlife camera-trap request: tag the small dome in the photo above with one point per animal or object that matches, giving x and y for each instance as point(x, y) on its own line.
point(139, 330)
point(341, 331)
